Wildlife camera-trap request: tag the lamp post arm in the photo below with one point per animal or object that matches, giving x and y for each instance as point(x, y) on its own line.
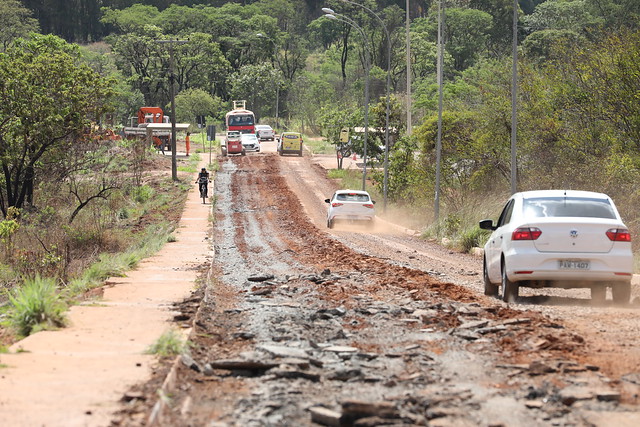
point(384, 27)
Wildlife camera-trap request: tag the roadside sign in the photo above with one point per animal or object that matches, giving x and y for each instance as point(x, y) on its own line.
point(344, 135)
point(211, 133)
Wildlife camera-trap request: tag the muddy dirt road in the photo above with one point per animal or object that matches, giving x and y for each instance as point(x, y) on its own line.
point(300, 325)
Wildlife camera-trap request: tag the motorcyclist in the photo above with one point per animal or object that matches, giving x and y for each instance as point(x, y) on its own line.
point(203, 181)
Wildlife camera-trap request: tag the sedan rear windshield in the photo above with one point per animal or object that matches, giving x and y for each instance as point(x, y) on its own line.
point(352, 197)
point(568, 207)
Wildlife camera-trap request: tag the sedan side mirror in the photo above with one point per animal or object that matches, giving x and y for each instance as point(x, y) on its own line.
point(327, 200)
point(487, 224)
point(373, 201)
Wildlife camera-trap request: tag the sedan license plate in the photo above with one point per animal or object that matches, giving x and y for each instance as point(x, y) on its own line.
point(574, 264)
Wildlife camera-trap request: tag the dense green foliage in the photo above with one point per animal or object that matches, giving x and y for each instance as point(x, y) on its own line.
point(15, 21)
point(45, 98)
point(578, 98)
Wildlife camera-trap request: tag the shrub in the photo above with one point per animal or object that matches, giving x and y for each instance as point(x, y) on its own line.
point(169, 344)
point(473, 237)
point(142, 194)
point(36, 305)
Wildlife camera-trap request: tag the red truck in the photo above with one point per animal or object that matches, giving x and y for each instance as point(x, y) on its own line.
point(232, 144)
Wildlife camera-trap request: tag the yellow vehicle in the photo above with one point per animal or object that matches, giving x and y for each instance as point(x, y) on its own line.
point(290, 143)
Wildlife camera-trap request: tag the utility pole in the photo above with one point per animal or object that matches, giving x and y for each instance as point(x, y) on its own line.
point(172, 77)
point(408, 70)
point(514, 100)
point(436, 207)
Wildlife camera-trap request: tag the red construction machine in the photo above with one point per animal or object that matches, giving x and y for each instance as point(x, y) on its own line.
point(138, 127)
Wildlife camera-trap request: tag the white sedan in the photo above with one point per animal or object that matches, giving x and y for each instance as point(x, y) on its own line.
point(558, 238)
point(250, 142)
point(350, 205)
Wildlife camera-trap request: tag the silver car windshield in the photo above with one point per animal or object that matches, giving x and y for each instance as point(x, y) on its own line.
point(568, 207)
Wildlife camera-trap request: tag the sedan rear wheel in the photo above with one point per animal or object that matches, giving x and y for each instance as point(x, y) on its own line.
point(490, 289)
point(510, 289)
point(329, 223)
point(621, 292)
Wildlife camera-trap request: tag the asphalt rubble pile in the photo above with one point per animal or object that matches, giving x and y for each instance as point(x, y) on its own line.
point(370, 362)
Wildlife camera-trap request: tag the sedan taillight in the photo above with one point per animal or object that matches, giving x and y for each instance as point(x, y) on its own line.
point(619, 235)
point(368, 205)
point(526, 233)
point(335, 205)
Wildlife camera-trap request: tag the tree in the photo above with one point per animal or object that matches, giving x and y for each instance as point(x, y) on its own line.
point(500, 31)
point(311, 90)
point(46, 96)
point(378, 119)
point(616, 13)
point(542, 45)
point(191, 103)
point(88, 173)
point(560, 15)
point(257, 84)
point(334, 118)
point(467, 34)
point(73, 20)
point(15, 21)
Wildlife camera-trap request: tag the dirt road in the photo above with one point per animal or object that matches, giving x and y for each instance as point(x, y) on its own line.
point(303, 326)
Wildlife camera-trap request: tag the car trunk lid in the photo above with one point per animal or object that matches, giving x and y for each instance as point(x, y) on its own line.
point(574, 235)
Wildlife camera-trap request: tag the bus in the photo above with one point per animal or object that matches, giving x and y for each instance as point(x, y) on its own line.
point(240, 118)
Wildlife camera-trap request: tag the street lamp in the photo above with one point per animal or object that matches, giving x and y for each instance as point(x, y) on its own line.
point(330, 14)
point(275, 53)
point(386, 124)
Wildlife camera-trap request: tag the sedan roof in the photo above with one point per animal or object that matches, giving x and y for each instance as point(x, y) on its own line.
point(352, 192)
point(562, 193)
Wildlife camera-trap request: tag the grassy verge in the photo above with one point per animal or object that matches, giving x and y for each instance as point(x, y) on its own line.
point(191, 165)
point(319, 146)
point(115, 265)
point(459, 230)
point(142, 220)
point(170, 344)
point(36, 305)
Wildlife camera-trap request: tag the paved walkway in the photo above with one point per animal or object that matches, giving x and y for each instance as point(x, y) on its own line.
point(75, 376)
